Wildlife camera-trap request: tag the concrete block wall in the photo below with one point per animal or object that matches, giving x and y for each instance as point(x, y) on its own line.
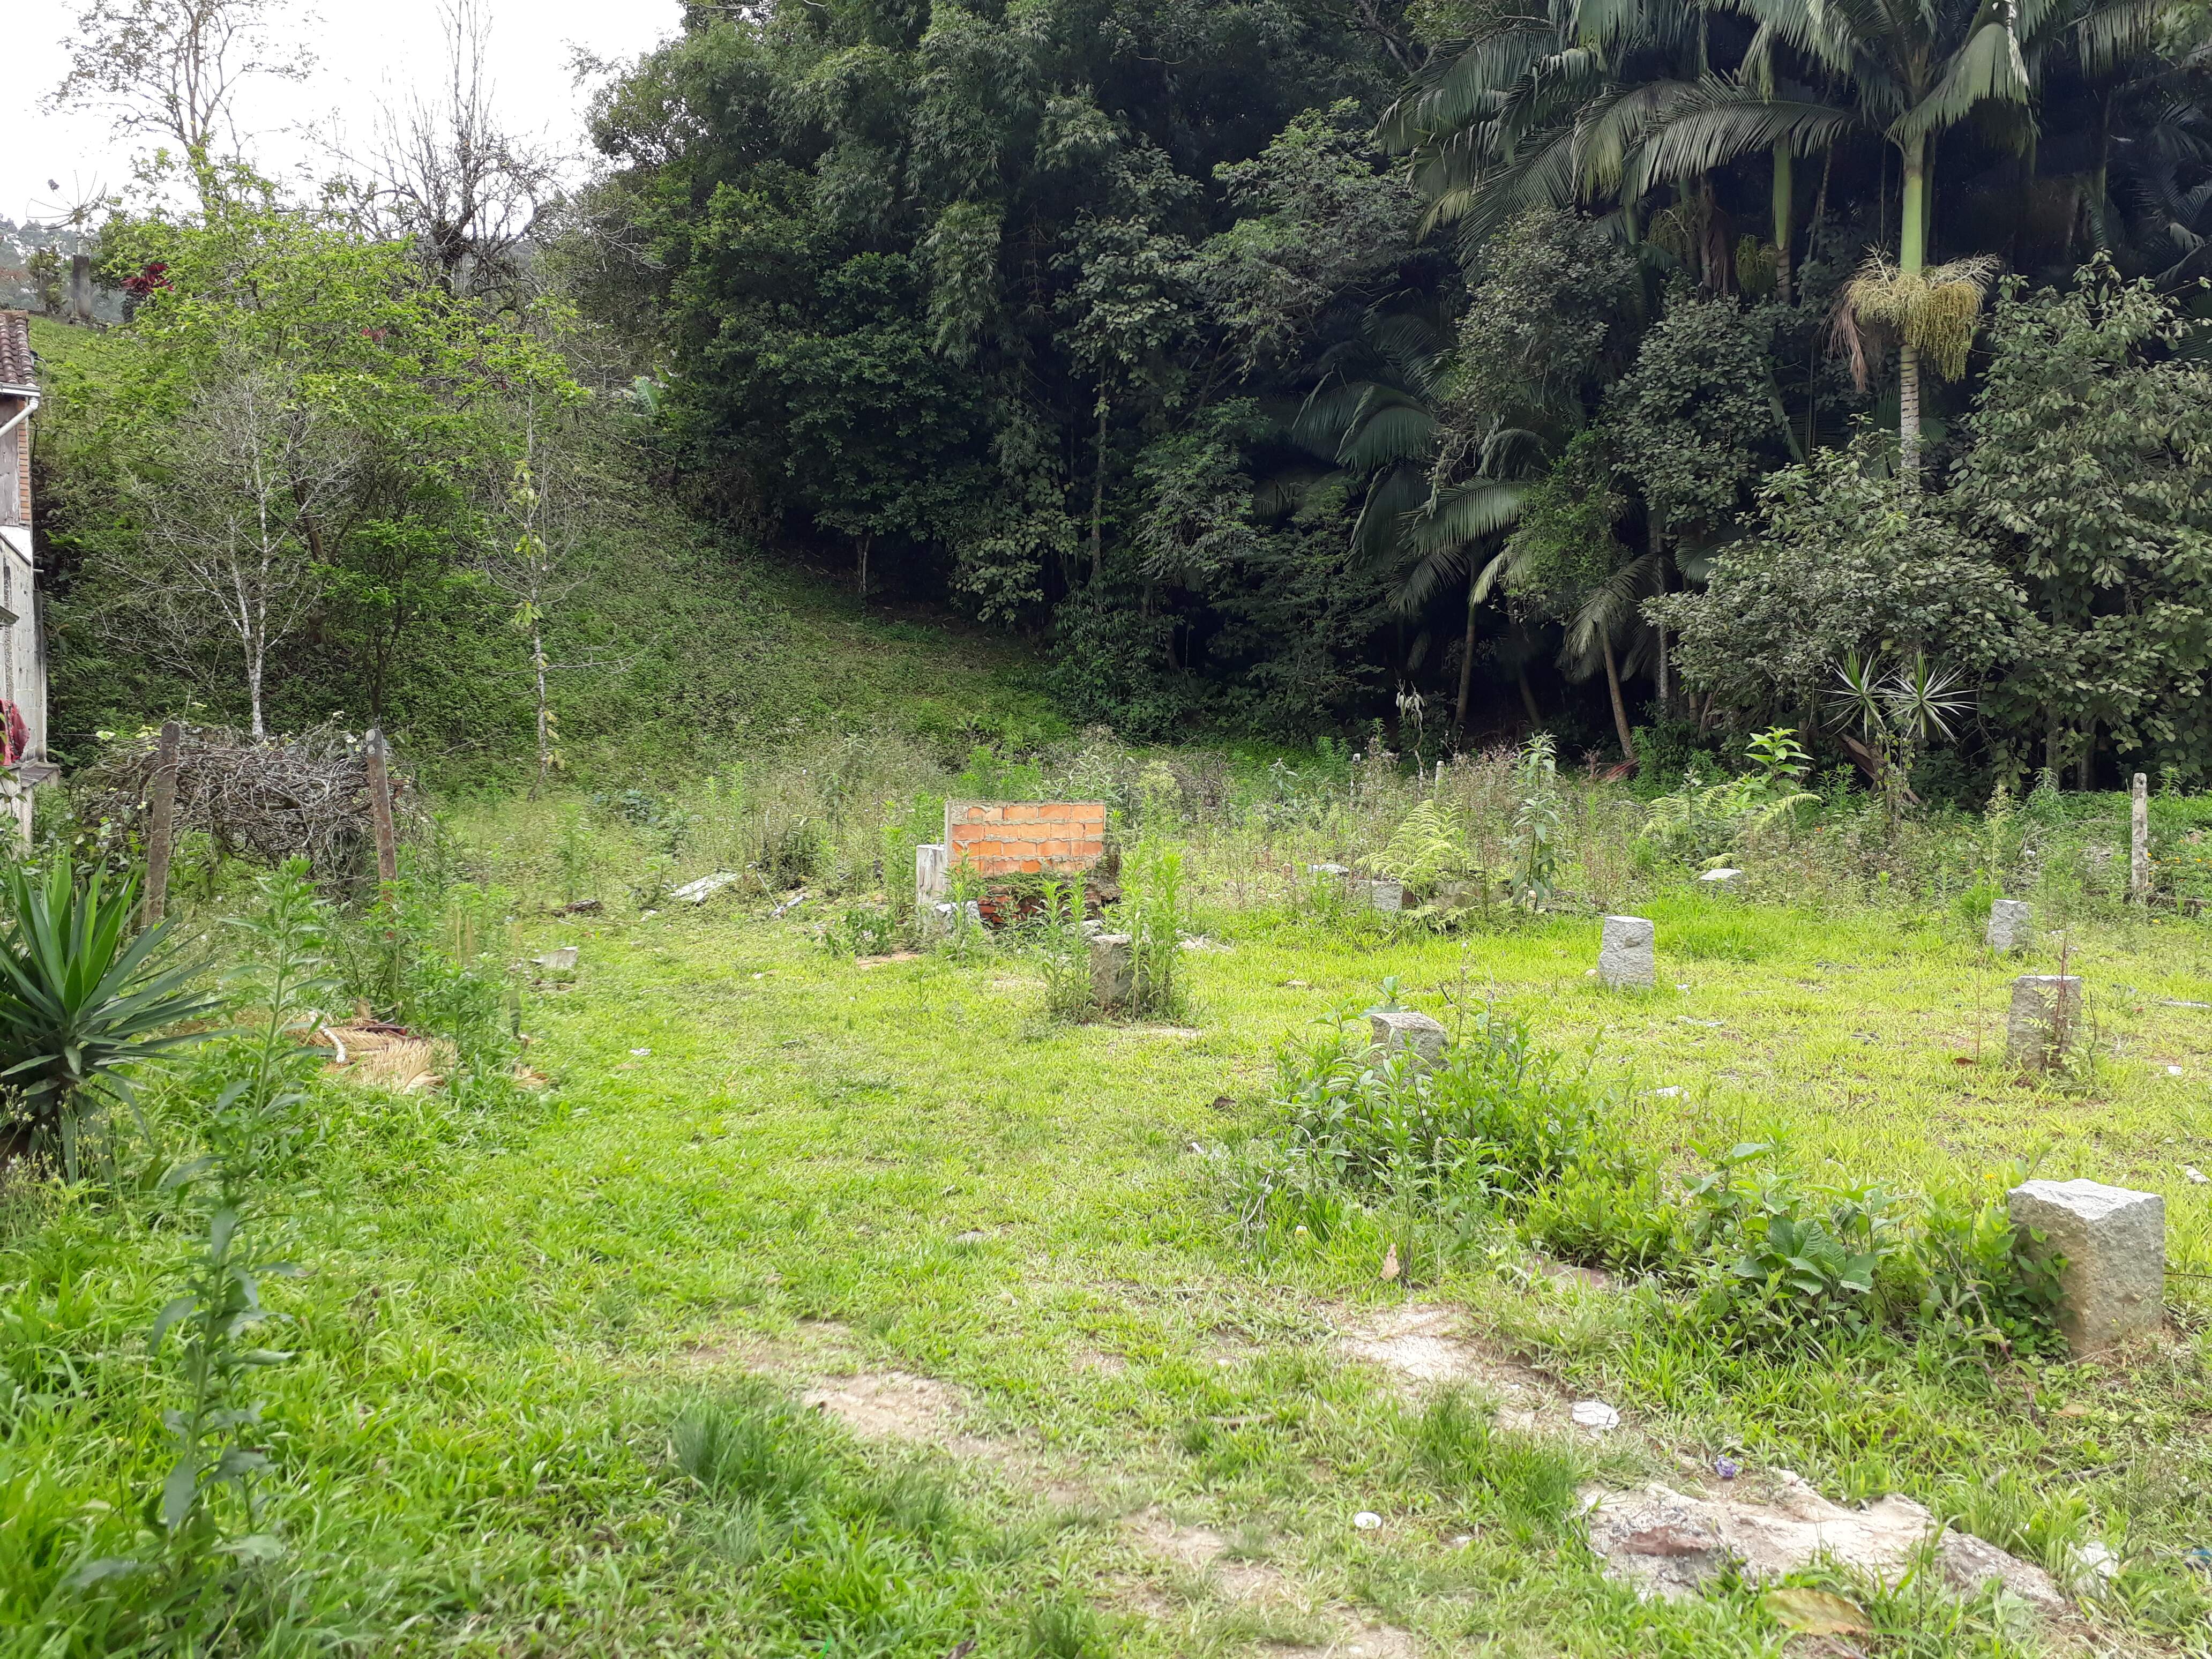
point(1022, 837)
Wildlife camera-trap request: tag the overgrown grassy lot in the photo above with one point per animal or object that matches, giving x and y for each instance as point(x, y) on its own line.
point(830, 1305)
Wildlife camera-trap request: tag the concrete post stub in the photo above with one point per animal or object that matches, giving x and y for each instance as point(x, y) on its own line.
point(2045, 1020)
point(1402, 1029)
point(1624, 957)
point(2112, 1285)
point(1113, 969)
point(2012, 926)
point(932, 865)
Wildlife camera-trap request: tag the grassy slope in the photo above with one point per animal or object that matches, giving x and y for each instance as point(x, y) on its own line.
point(699, 649)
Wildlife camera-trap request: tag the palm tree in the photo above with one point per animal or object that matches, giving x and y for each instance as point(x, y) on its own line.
point(1596, 592)
point(1546, 110)
point(1376, 417)
point(1910, 71)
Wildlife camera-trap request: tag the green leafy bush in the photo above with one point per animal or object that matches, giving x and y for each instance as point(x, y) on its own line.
point(1770, 1255)
point(1496, 1121)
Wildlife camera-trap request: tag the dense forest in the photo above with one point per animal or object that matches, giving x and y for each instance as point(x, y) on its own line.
point(1653, 373)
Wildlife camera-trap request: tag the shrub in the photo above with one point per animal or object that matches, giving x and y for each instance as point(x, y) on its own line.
point(81, 1001)
point(1495, 1122)
point(1498, 1130)
point(1769, 1255)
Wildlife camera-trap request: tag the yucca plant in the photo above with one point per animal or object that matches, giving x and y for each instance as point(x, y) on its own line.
point(82, 999)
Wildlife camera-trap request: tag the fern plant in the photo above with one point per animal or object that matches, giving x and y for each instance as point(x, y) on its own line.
point(1427, 848)
point(1700, 822)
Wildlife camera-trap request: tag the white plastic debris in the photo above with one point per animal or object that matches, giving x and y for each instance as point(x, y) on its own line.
point(1367, 1521)
point(1595, 1414)
point(2174, 1071)
point(641, 1051)
point(699, 891)
point(2091, 1567)
point(1669, 1092)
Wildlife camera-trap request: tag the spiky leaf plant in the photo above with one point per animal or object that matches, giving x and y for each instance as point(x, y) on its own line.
point(82, 999)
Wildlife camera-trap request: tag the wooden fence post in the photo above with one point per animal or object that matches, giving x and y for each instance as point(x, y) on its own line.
point(2139, 850)
point(380, 808)
point(161, 822)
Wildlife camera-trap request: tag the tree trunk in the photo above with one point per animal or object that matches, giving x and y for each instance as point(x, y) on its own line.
point(864, 540)
point(253, 690)
point(545, 730)
point(1911, 260)
point(1528, 697)
point(1908, 415)
point(1466, 668)
point(1783, 181)
point(1620, 708)
point(1098, 492)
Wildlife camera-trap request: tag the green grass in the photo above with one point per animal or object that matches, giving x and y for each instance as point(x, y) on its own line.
point(543, 1400)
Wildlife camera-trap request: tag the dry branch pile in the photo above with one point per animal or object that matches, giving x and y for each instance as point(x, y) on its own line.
point(301, 795)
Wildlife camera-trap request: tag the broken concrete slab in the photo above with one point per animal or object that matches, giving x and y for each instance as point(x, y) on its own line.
point(1669, 1544)
point(1721, 878)
point(561, 959)
point(2112, 1285)
point(1380, 895)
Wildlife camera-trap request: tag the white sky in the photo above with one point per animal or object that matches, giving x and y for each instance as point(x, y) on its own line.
point(368, 51)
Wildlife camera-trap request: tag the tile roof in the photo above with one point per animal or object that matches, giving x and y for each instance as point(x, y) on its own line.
point(16, 367)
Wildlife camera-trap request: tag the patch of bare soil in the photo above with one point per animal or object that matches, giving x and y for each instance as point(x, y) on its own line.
point(1421, 1344)
point(1668, 1545)
point(1202, 1550)
point(899, 1406)
point(1367, 1642)
point(811, 1344)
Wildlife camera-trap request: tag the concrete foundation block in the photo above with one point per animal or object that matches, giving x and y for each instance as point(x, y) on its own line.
point(1625, 958)
point(1113, 969)
point(2045, 1019)
point(2012, 926)
point(1722, 879)
point(2114, 1240)
point(561, 959)
point(1402, 1030)
point(1382, 894)
point(933, 865)
point(946, 917)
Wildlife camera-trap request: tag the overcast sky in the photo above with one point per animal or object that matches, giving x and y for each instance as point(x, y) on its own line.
point(367, 50)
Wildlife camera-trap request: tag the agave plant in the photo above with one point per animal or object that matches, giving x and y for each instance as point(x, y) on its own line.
point(82, 999)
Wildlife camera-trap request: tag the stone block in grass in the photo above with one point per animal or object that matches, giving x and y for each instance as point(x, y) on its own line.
point(1382, 894)
point(2012, 926)
point(2045, 1020)
point(2112, 1280)
point(1403, 1029)
point(1624, 956)
point(1113, 969)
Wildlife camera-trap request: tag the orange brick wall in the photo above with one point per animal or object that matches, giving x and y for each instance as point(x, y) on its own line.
point(1004, 837)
